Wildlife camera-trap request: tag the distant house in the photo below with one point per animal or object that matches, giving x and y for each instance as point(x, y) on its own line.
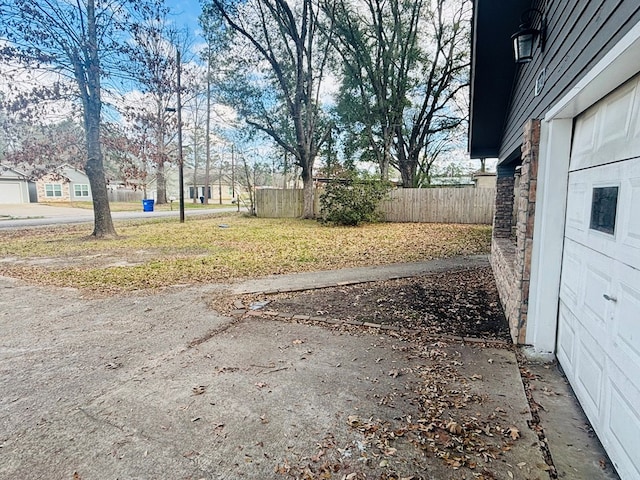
point(220, 187)
point(14, 186)
point(484, 179)
point(68, 184)
point(564, 123)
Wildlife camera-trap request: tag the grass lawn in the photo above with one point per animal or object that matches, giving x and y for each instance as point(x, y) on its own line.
point(222, 248)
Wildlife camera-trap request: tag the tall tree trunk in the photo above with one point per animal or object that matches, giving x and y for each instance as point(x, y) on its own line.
point(161, 181)
point(408, 174)
point(103, 223)
point(307, 193)
point(285, 184)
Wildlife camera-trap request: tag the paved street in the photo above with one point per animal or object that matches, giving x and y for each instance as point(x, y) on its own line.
point(35, 215)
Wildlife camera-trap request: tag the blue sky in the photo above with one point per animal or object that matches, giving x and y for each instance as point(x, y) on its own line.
point(185, 13)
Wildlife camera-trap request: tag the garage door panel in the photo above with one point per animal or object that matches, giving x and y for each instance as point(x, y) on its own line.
point(622, 422)
point(624, 244)
point(597, 283)
point(576, 202)
point(628, 326)
point(584, 139)
point(10, 192)
point(589, 372)
point(586, 277)
point(566, 339)
point(570, 282)
point(626, 323)
point(608, 131)
point(630, 221)
point(616, 115)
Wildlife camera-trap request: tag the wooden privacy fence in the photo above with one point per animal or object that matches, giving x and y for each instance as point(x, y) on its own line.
point(440, 205)
point(276, 203)
point(425, 205)
point(122, 195)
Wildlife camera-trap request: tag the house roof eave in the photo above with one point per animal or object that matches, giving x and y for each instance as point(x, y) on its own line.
point(492, 72)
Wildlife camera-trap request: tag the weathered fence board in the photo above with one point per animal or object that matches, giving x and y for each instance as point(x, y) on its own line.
point(125, 195)
point(281, 203)
point(441, 205)
point(425, 205)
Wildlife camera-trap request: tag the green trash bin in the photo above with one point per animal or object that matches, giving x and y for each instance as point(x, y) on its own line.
point(147, 205)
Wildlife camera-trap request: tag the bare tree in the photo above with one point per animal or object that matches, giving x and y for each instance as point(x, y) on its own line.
point(80, 42)
point(278, 74)
point(377, 43)
point(431, 125)
point(403, 64)
point(154, 46)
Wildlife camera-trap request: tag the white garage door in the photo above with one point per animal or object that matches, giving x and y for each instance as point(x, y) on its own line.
point(10, 192)
point(599, 314)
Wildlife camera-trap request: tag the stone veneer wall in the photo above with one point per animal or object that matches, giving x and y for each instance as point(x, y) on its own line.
point(66, 189)
point(511, 262)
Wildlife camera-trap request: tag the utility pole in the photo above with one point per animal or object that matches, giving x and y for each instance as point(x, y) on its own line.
point(233, 179)
point(208, 131)
point(180, 158)
point(220, 181)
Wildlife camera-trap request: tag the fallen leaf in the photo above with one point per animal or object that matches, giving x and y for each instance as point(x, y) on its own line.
point(454, 428)
point(316, 458)
point(354, 420)
point(513, 432)
point(199, 390)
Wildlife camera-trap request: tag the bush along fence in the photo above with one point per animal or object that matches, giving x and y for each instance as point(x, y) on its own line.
point(420, 205)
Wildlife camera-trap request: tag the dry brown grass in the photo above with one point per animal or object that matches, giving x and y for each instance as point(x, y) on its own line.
point(151, 254)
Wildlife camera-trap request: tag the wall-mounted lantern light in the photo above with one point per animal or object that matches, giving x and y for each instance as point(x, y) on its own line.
point(525, 37)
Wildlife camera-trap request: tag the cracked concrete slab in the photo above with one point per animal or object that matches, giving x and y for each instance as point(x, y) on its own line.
point(147, 386)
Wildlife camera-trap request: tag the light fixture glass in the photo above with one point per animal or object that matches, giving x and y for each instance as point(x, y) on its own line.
point(525, 37)
point(523, 44)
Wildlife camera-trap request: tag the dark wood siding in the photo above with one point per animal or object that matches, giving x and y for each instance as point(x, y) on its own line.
point(579, 34)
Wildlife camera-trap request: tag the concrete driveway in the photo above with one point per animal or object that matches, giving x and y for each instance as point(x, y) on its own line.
point(158, 386)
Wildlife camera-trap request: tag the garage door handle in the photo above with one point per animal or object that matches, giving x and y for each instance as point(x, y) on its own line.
point(611, 299)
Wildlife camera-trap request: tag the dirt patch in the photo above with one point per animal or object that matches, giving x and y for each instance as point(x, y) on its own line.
point(460, 303)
